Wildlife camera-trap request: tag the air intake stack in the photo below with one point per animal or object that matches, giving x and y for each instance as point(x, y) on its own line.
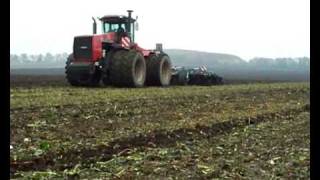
point(129, 19)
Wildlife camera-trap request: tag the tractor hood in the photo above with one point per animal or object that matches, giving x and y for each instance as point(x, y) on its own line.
point(108, 37)
point(90, 46)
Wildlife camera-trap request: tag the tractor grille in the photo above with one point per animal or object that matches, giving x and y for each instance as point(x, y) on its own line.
point(82, 47)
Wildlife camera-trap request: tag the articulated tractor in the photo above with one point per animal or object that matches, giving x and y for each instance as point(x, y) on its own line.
point(114, 58)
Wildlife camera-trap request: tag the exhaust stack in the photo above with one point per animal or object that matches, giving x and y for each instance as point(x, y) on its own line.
point(129, 19)
point(94, 28)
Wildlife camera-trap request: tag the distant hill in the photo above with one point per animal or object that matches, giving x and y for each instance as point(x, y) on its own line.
point(191, 58)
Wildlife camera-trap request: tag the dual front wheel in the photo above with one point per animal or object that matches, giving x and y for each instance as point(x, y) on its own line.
point(127, 69)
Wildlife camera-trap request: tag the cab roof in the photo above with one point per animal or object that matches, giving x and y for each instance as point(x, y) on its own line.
point(116, 18)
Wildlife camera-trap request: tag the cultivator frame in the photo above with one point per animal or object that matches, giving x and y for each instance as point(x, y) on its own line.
point(194, 76)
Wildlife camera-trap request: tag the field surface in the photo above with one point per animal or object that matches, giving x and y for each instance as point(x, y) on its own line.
point(251, 131)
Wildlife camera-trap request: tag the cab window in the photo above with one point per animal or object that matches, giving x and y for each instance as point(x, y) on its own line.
point(112, 27)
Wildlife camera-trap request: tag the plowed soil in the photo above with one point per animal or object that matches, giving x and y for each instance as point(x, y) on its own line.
point(252, 131)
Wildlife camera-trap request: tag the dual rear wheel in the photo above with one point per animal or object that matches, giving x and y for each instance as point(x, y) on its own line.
point(159, 70)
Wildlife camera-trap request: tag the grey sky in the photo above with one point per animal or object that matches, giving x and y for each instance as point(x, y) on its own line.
point(247, 28)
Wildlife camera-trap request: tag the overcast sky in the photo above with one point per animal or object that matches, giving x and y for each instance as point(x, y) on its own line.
point(247, 28)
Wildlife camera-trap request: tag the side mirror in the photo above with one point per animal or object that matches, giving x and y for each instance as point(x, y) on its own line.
point(137, 26)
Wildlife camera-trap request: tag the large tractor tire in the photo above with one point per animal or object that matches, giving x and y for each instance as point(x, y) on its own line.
point(158, 70)
point(89, 80)
point(70, 80)
point(106, 63)
point(93, 80)
point(106, 80)
point(127, 69)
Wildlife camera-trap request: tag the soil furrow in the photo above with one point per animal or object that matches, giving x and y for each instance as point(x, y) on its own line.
point(158, 138)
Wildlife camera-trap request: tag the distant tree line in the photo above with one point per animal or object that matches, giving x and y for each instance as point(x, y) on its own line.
point(38, 58)
point(180, 58)
point(281, 63)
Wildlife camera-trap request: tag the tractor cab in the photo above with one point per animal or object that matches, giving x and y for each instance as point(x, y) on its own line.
point(121, 25)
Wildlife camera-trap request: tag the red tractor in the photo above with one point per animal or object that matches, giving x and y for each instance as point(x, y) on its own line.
point(115, 58)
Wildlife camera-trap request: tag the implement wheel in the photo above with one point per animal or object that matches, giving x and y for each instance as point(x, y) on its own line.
point(127, 69)
point(158, 70)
